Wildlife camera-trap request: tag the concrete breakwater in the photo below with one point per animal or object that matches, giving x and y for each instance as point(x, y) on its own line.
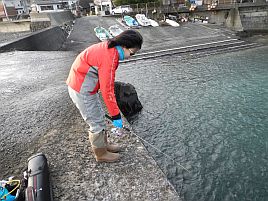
point(46, 121)
point(49, 31)
point(49, 39)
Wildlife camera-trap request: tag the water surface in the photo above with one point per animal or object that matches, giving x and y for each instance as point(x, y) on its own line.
point(210, 115)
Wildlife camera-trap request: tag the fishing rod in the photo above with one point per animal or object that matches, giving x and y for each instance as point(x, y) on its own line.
point(127, 129)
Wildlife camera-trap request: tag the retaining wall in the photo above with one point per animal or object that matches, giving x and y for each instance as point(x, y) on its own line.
point(56, 18)
point(60, 18)
point(46, 19)
point(218, 17)
point(248, 19)
point(254, 21)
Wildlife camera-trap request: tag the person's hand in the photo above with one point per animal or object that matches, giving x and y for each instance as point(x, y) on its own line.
point(118, 123)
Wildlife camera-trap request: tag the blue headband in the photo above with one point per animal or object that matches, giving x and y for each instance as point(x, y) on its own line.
point(120, 52)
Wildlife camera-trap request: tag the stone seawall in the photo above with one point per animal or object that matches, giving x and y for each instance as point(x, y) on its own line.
point(50, 39)
point(15, 26)
point(38, 21)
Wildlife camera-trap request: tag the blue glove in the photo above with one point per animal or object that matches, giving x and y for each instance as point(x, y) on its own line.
point(118, 123)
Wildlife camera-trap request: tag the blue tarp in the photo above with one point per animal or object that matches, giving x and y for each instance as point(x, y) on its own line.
point(3, 192)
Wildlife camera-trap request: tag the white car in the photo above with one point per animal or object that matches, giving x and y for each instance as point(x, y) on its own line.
point(122, 9)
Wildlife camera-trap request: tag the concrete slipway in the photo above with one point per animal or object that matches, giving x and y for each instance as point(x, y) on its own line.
point(36, 115)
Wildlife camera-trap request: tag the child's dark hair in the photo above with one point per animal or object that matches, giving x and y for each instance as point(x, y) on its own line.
point(129, 39)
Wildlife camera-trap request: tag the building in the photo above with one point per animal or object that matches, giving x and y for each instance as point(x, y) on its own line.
point(21, 6)
point(13, 8)
point(55, 5)
point(103, 7)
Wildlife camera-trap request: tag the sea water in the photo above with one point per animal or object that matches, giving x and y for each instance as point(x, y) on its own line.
point(209, 115)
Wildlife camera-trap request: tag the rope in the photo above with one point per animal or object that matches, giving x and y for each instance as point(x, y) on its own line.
point(127, 129)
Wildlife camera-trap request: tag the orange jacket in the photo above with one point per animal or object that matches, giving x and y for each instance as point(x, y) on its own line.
point(94, 69)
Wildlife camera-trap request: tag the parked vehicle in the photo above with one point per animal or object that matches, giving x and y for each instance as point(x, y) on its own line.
point(131, 22)
point(115, 30)
point(143, 20)
point(122, 9)
point(102, 33)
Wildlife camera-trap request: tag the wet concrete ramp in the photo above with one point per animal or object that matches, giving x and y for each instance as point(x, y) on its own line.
point(83, 34)
point(162, 38)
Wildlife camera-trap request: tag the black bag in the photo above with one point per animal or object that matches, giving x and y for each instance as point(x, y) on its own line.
point(39, 188)
point(127, 99)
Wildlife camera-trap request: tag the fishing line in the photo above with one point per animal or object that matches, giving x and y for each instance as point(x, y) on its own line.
point(127, 129)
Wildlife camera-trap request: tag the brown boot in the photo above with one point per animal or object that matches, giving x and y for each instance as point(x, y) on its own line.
point(100, 149)
point(102, 155)
point(111, 147)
